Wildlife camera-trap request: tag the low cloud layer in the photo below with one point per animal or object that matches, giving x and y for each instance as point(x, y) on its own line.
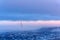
point(27, 25)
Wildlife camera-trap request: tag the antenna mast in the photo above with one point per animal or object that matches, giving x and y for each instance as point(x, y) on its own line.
point(21, 25)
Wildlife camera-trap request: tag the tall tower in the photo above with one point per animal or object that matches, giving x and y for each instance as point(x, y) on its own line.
point(21, 25)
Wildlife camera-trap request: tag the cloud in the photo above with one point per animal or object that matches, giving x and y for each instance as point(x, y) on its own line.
point(42, 23)
point(7, 25)
point(37, 22)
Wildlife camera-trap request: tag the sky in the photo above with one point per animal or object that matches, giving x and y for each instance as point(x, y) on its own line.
point(29, 9)
point(40, 12)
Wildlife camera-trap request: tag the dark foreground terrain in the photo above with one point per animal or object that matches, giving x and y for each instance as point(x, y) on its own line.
point(41, 34)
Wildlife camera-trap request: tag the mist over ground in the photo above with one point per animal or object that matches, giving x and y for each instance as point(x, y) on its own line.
point(27, 25)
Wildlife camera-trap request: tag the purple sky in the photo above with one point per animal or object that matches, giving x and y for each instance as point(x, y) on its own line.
point(33, 9)
point(37, 11)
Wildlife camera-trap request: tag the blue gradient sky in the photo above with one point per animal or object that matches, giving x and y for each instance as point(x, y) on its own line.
point(29, 9)
point(34, 13)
